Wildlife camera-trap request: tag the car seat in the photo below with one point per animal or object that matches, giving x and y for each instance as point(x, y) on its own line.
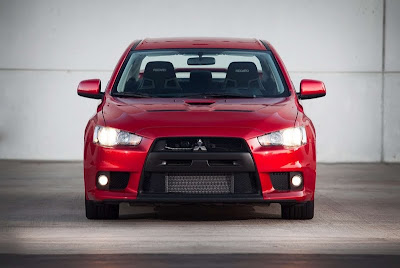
point(159, 76)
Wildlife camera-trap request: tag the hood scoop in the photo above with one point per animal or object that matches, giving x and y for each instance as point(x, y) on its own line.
point(199, 102)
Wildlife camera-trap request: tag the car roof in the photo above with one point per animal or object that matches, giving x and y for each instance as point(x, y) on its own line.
point(201, 42)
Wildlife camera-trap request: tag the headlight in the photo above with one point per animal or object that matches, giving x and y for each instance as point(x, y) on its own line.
point(108, 136)
point(290, 137)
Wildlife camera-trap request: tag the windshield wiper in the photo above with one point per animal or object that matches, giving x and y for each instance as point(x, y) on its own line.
point(129, 94)
point(218, 95)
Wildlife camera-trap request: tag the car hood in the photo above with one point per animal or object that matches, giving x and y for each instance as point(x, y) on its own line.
point(153, 117)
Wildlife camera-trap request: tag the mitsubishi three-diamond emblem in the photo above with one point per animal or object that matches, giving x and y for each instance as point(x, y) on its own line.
point(200, 146)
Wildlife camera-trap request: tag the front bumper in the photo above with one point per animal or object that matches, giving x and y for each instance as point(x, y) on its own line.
point(263, 162)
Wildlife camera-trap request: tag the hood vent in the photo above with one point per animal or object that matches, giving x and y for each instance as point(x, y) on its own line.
point(199, 102)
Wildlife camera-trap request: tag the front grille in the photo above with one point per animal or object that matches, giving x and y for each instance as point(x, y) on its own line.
point(199, 183)
point(215, 167)
point(200, 144)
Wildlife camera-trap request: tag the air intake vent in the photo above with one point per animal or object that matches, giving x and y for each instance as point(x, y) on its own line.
point(118, 180)
point(190, 144)
point(280, 180)
point(178, 183)
point(198, 183)
point(199, 102)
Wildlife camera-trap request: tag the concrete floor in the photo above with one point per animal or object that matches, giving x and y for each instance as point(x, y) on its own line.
point(42, 212)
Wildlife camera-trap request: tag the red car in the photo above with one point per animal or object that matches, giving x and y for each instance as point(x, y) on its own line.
point(200, 120)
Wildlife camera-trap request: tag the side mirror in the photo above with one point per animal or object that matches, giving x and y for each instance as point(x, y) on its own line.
point(310, 89)
point(90, 89)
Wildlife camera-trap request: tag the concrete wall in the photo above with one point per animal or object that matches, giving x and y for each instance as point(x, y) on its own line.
point(48, 46)
point(391, 82)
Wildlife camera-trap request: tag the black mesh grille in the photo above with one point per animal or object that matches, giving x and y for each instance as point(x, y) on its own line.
point(199, 183)
point(118, 180)
point(190, 144)
point(280, 180)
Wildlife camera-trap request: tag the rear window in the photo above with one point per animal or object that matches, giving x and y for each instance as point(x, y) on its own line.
point(197, 73)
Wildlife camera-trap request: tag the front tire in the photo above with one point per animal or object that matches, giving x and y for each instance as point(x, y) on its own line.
point(97, 211)
point(304, 211)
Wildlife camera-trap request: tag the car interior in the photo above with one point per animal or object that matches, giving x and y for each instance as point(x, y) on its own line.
point(241, 77)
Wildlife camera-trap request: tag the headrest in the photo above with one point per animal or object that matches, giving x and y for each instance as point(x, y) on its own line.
point(159, 75)
point(242, 72)
point(159, 70)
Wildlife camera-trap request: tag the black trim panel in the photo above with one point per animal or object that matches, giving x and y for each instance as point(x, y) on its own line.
point(199, 162)
point(265, 44)
point(136, 44)
point(206, 200)
point(98, 96)
point(307, 97)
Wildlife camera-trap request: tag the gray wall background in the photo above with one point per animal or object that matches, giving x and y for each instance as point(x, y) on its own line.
point(48, 46)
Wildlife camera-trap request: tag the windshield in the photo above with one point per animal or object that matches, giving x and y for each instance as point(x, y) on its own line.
point(200, 73)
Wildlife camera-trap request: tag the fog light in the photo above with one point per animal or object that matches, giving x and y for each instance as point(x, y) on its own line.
point(296, 180)
point(103, 180)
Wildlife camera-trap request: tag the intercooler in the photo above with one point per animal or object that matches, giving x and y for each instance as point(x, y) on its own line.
point(199, 183)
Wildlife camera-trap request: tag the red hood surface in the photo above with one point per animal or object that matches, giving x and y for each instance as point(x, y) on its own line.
point(245, 118)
